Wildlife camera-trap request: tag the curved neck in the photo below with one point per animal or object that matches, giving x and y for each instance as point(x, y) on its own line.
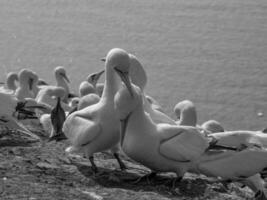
point(188, 117)
point(11, 83)
point(62, 83)
point(111, 85)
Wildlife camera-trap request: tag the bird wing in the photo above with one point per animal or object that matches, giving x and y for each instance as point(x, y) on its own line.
point(80, 130)
point(182, 143)
point(233, 164)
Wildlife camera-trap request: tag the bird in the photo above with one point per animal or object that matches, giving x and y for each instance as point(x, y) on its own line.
point(11, 109)
point(58, 117)
point(88, 91)
point(11, 123)
point(12, 81)
point(212, 126)
point(139, 77)
point(62, 81)
point(47, 96)
point(86, 88)
point(93, 80)
point(240, 138)
point(24, 88)
point(169, 148)
point(96, 127)
point(155, 145)
point(186, 113)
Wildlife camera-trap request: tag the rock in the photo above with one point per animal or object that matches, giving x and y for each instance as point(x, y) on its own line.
point(44, 165)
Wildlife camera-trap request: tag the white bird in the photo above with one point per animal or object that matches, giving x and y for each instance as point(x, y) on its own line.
point(12, 81)
point(93, 79)
point(48, 95)
point(11, 108)
point(168, 148)
point(96, 127)
point(240, 138)
point(25, 85)
point(186, 113)
point(155, 145)
point(212, 126)
point(139, 77)
point(62, 81)
point(86, 88)
point(88, 91)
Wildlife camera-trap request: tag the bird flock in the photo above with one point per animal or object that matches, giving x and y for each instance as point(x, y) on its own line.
point(119, 116)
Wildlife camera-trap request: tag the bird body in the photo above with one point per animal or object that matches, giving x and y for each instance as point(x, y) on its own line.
point(96, 128)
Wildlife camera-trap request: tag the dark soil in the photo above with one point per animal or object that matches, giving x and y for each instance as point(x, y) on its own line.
point(35, 170)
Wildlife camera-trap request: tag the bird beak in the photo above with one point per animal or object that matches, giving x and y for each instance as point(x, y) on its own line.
point(65, 77)
point(97, 76)
point(125, 78)
point(103, 59)
point(123, 128)
point(30, 82)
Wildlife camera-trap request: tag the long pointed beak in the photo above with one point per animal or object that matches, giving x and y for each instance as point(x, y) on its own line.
point(123, 127)
point(125, 78)
point(65, 77)
point(98, 75)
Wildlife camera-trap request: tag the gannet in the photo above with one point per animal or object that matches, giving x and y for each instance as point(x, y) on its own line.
point(139, 77)
point(47, 95)
point(93, 79)
point(25, 85)
point(212, 126)
point(62, 81)
point(186, 113)
point(88, 91)
point(169, 148)
point(96, 127)
point(11, 109)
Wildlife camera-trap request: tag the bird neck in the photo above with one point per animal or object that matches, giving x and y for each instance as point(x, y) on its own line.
point(11, 84)
point(188, 117)
point(62, 83)
point(111, 85)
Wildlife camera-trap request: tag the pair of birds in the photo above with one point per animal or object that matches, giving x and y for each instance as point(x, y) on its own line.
point(124, 117)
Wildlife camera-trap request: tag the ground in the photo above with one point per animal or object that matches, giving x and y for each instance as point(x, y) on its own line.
point(38, 170)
